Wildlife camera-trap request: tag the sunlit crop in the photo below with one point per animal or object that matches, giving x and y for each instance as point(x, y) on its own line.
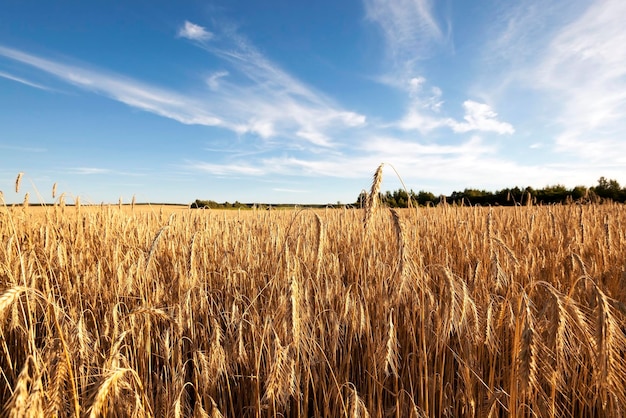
point(431, 311)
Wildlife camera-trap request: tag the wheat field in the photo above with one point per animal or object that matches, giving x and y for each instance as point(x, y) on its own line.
point(442, 311)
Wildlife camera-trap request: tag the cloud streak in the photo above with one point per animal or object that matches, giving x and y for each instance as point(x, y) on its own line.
point(23, 149)
point(437, 168)
point(23, 81)
point(131, 92)
point(272, 101)
point(409, 27)
point(264, 100)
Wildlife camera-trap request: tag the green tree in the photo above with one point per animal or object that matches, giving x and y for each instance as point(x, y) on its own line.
point(579, 193)
point(608, 189)
point(423, 198)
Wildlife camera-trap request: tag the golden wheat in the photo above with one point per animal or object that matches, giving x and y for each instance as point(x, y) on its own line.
point(449, 311)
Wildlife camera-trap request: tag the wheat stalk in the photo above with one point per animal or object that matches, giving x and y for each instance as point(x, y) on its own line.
point(319, 246)
point(279, 381)
point(99, 407)
point(18, 181)
point(252, 313)
point(357, 406)
point(392, 356)
point(372, 197)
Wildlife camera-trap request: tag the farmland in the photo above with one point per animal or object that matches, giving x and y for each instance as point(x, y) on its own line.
point(431, 311)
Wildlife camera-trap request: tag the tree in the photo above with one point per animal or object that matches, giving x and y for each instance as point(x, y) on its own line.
point(608, 189)
point(361, 200)
point(423, 198)
point(579, 193)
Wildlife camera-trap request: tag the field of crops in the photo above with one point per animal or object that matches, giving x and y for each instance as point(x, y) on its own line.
point(440, 311)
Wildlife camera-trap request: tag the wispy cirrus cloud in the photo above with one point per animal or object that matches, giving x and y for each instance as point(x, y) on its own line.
point(434, 167)
point(405, 155)
point(213, 81)
point(566, 59)
point(23, 81)
point(282, 190)
point(263, 100)
point(152, 99)
point(584, 70)
point(23, 148)
point(90, 170)
point(409, 27)
point(239, 168)
point(272, 100)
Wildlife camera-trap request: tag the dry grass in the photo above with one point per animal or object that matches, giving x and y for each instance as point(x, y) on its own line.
point(445, 311)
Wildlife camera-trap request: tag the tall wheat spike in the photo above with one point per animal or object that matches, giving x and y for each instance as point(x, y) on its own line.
point(372, 197)
point(358, 408)
point(320, 245)
point(391, 357)
point(18, 181)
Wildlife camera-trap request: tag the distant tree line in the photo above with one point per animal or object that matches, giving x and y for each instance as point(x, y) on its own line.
point(211, 204)
point(605, 190)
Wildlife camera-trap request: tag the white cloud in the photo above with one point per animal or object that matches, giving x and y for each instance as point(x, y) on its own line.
point(424, 113)
point(350, 119)
point(480, 117)
point(415, 84)
point(214, 79)
point(314, 137)
point(427, 100)
point(194, 32)
point(417, 119)
point(264, 128)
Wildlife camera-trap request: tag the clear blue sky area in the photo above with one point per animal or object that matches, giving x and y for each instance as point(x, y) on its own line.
point(294, 101)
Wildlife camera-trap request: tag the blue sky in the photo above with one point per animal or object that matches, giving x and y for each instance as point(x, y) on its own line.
point(293, 101)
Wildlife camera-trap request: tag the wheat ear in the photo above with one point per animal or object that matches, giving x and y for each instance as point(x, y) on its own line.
point(18, 181)
point(392, 357)
point(372, 198)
